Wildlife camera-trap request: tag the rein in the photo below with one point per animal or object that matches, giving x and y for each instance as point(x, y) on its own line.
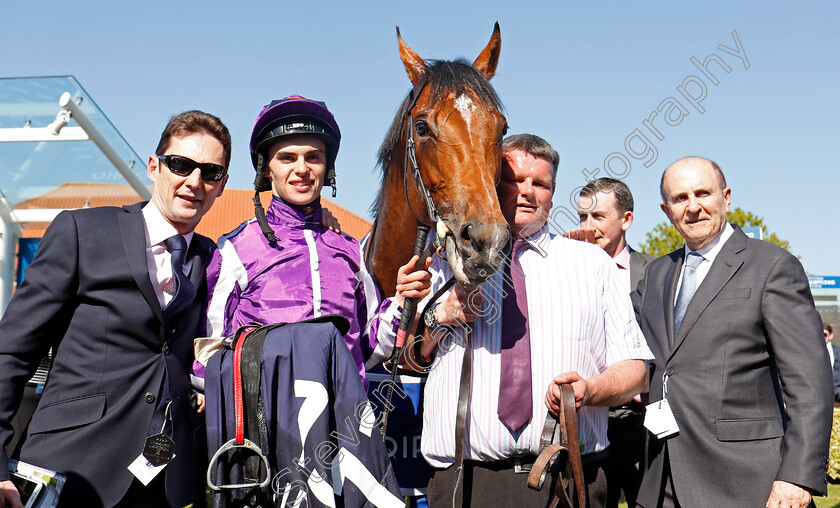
point(560, 451)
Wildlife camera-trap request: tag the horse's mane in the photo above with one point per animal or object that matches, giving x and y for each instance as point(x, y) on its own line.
point(443, 76)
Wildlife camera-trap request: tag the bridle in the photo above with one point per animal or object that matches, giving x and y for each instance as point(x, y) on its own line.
point(411, 163)
point(409, 307)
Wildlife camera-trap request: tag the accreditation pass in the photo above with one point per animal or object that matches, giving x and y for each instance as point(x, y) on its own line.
point(659, 419)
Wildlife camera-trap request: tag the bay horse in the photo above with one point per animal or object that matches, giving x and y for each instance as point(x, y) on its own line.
point(452, 117)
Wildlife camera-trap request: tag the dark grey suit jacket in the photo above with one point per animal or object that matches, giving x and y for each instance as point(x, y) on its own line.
point(638, 263)
point(749, 381)
point(88, 294)
point(836, 370)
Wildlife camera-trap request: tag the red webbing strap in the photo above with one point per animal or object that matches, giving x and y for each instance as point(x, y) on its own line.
point(238, 406)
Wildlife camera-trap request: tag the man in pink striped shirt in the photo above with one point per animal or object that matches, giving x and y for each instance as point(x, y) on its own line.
point(571, 321)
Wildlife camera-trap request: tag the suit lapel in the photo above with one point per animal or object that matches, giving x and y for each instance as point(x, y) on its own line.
point(727, 263)
point(133, 234)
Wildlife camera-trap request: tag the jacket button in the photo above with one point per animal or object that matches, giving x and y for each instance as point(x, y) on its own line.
point(166, 350)
point(149, 397)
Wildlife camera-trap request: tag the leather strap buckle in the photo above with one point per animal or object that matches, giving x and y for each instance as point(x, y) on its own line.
point(522, 463)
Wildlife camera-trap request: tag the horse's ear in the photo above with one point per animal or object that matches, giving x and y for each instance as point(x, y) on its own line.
point(414, 65)
point(489, 58)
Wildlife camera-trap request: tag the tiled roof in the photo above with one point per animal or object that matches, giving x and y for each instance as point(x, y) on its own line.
point(232, 208)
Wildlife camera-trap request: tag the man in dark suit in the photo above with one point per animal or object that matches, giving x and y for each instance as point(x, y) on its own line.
point(605, 206)
point(118, 293)
point(834, 356)
point(739, 361)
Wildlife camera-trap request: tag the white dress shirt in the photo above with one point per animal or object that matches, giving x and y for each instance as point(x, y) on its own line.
point(622, 260)
point(158, 259)
point(580, 318)
point(709, 253)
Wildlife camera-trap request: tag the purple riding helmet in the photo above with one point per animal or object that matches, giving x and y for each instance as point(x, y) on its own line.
point(291, 116)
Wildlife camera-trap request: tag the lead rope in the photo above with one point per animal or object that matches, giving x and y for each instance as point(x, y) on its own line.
point(464, 395)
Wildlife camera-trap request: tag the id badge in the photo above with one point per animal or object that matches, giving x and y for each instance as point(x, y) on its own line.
point(660, 421)
point(144, 470)
point(159, 449)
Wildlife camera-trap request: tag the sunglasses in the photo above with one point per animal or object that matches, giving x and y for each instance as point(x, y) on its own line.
point(183, 166)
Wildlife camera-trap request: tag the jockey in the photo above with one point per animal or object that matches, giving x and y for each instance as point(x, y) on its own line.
point(284, 265)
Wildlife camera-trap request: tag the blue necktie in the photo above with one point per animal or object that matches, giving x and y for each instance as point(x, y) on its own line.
point(687, 288)
point(184, 292)
point(515, 398)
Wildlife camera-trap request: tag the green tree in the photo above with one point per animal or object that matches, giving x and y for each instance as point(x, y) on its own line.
point(664, 237)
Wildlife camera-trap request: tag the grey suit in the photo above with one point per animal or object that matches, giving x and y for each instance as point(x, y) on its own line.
point(749, 381)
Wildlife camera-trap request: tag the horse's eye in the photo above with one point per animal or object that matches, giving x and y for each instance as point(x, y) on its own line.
point(504, 130)
point(422, 128)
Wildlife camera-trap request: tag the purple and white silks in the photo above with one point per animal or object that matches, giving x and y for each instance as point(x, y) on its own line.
point(310, 271)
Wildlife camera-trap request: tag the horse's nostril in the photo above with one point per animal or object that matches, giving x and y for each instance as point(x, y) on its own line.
point(465, 232)
point(475, 236)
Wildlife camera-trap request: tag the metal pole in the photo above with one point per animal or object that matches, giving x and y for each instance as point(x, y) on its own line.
point(66, 102)
point(9, 234)
point(24, 215)
point(35, 134)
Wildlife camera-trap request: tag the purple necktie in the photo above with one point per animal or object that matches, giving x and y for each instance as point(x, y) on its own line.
point(515, 383)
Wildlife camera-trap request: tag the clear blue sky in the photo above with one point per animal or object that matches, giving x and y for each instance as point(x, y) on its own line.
point(584, 77)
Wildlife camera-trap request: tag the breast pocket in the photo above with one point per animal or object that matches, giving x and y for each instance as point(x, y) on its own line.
point(69, 413)
point(576, 321)
point(748, 429)
point(735, 294)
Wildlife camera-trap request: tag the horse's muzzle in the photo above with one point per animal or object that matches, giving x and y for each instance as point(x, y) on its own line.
point(476, 251)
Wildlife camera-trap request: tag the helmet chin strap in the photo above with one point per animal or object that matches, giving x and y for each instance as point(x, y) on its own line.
point(331, 179)
point(259, 211)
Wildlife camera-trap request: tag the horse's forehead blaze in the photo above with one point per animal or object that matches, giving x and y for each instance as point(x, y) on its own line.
point(466, 188)
point(462, 150)
point(457, 115)
point(466, 107)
